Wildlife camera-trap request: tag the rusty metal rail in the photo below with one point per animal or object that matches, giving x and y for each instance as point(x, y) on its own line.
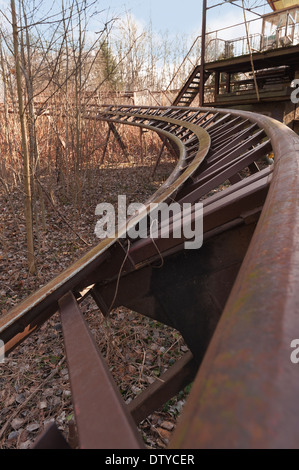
point(234, 300)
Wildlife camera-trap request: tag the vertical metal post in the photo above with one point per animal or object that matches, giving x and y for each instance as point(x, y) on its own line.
point(216, 91)
point(227, 82)
point(203, 47)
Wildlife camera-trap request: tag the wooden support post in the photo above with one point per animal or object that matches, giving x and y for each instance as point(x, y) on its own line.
point(159, 156)
point(141, 145)
point(105, 146)
point(119, 140)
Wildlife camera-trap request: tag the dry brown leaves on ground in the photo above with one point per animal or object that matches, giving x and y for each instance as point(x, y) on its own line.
point(34, 382)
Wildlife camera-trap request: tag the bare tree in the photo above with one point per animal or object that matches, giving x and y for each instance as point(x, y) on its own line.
point(26, 162)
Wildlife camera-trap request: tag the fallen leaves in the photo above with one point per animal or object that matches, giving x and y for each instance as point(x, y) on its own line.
point(34, 380)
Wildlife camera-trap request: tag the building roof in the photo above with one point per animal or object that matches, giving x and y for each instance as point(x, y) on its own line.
point(278, 5)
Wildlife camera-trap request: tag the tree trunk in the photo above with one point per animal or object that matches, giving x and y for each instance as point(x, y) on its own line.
point(27, 183)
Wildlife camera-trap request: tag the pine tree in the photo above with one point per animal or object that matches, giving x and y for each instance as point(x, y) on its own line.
point(109, 66)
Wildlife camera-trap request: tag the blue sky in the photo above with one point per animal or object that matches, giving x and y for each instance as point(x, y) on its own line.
point(179, 17)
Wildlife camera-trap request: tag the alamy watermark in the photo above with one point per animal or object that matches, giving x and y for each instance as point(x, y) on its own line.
point(2, 352)
point(295, 93)
point(158, 221)
point(295, 353)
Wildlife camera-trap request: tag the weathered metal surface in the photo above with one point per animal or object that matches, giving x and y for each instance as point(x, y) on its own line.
point(189, 299)
point(102, 419)
point(175, 379)
point(246, 392)
point(30, 314)
point(190, 289)
point(51, 438)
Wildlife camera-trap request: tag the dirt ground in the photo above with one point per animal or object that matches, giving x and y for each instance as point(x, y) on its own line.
point(34, 382)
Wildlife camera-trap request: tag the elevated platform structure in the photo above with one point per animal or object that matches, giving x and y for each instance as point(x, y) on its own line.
point(254, 72)
point(232, 83)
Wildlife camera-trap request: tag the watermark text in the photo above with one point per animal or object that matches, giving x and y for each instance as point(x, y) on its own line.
point(156, 221)
point(295, 353)
point(295, 92)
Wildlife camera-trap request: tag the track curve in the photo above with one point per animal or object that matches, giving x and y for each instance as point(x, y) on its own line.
point(237, 294)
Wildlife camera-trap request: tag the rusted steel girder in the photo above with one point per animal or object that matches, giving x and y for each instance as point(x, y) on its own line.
point(191, 290)
point(101, 416)
point(30, 314)
point(246, 392)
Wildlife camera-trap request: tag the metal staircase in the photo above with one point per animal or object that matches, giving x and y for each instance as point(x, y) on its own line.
point(184, 98)
point(190, 89)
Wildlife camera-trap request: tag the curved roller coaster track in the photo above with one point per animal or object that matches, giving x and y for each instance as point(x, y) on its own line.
point(235, 300)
